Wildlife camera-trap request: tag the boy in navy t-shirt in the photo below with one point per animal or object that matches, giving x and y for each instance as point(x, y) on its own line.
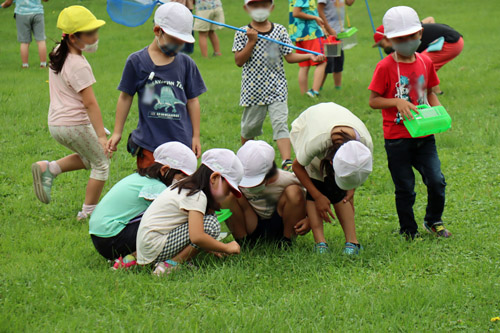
point(168, 84)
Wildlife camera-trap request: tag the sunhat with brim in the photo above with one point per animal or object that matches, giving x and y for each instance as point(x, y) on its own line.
point(401, 21)
point(175, 20)
point(75, 19)
point(227, 164)
point(257, 158)
point(177, 156)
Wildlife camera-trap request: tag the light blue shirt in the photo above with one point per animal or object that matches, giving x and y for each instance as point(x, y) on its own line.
point(28, 7)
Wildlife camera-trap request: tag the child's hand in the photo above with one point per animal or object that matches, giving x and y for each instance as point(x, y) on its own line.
point(196, 146)
point(302, 227)
point(252, 35)
point(349, 198)
point(113, 142)
point(317, 58)
point(233, 248)
point(103, 140)
point(323, 208)
point(320, 22)
point(405, 107)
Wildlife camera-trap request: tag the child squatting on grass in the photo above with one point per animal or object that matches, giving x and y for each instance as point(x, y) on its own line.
point(334, 157)
point(179, 222)
point(272, 207)
point(263, 82)
point(30, 19)
point(167, 83)
point(401, 81)
point(75, 119)
point(113, 225)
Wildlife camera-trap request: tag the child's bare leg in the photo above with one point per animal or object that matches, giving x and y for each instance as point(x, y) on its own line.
point(337, 79)
point(214, 39)
point(345, 214)
point(70, 163)
point(303, 79)
point(284, 146)
point(186, 254)
point(42, 51)
point(93, 192)
point(203, 40)
point(316, 222)
point(291, 208)
point(25, 52)
point(239, 226)
point(319, 74)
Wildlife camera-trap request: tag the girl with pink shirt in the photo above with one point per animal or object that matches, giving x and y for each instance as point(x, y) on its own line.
point(75, 119)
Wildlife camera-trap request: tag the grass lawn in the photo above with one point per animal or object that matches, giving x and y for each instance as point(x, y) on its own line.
point(52, 279)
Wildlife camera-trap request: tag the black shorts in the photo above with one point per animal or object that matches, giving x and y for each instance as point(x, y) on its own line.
point(117, 246)
point(329, 189)
point(335, 64)
point(268, 230)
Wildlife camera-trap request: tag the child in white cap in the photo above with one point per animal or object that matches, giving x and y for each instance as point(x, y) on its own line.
point(167, 84)
point(273, 205)
point(75, 119)
point(264, 87)
point(333, 157)
point(403, 80)
point(114, 223)
point(178, 223)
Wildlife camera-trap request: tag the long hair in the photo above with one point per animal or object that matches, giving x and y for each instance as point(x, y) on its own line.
point(154, 172)
point(271, 173)
point(326, 166)
point(59, 54)
point(199, 181)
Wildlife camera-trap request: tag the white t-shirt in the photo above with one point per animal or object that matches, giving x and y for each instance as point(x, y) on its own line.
point(168, 211)
point(311, 134)
point(66, 104)
point(265, 203)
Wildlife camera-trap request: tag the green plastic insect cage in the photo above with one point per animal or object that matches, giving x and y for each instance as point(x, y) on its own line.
point(348, 38)
point(430, 120)
point(223, 214)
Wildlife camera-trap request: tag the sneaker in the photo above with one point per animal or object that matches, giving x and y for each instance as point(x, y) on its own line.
point(287, 165)
point(437, 229)
point(352, 249)
point(313, 94)
point(165, 267)
point(338, 87)
point(410, 236)
point(42, 181)
point(321, 248)
point(124, 263)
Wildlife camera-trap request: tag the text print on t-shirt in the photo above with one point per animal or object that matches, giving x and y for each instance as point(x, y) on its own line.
point(161, 94)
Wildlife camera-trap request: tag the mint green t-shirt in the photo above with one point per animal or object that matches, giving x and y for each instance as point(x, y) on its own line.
point(128, 198)
point(28, 7)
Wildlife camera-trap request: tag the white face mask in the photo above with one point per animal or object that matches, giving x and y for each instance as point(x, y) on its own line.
point(90, 48)
point(260, 14)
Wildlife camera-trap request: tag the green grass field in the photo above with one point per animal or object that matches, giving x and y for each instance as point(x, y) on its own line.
point(52, 279)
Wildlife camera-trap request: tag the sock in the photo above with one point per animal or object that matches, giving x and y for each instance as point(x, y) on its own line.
point(43, 64)
point(88, 209)
point(54, 168)
point(338, 87)
point(26, 65)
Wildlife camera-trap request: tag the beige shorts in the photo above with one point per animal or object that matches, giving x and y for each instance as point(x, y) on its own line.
point(82, 139)
point(254, 116)
point(216, 14)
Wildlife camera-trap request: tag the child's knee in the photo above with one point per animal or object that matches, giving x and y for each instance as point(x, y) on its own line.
point(100, 171)
point(211, 225)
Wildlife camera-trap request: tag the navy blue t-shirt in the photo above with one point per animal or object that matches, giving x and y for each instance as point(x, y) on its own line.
point(163, 93)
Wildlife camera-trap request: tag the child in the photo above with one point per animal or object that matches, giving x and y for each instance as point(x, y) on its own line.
point(306, 30)
point(401, 81)
point(332, 12)
point(334, 157)
point(264, 85)
point(29, 19)
point(273, 206)
point(212, 10)
point(176, 224)
point(75, 119)
point(114, 223)
point(168, 84)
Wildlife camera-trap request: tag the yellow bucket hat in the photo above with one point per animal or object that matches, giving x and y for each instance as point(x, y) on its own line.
point(77, 19)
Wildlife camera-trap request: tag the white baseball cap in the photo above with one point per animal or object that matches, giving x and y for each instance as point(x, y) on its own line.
point(257, 158)
point(177, 156)
point(352, 165)
point(248, 1)
point(401, 21)
point(175, 20)
point(228, 164)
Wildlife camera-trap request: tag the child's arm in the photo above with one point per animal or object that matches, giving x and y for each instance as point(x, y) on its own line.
point(94, 112)
point(293, 58)
point(322, 203)
point(198, 236)
point(241, 57)
point(122, 109)
point(6, 3)
point(193, 108)
point(404, 107)
point(432, 98)
point(321, 12)
point(298, 13)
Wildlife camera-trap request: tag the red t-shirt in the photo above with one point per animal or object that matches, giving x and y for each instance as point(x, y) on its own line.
point(416, 78)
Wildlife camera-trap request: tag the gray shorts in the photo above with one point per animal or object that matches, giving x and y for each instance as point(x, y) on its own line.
point(26, 24)
point(254, 116)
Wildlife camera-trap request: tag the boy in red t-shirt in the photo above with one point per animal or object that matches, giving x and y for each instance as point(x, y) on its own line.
point(401, 81)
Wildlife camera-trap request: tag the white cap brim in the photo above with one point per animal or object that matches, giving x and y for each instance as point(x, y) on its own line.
point(252, 181)
point(183, 37)
point(407, 32)
point(234, 187)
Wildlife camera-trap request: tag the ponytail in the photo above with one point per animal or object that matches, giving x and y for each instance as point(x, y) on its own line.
point(59, 53)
